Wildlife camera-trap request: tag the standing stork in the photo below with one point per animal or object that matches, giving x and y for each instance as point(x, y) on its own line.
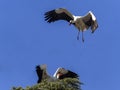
point(62, 73)
point(82, 23)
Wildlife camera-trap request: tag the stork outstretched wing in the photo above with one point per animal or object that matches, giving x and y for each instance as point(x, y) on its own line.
point(58, 14)
point(90, 21)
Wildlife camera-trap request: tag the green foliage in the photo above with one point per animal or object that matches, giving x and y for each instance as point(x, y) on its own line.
point(64, 84)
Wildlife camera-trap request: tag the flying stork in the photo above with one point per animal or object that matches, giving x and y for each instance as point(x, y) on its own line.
point(82, 23)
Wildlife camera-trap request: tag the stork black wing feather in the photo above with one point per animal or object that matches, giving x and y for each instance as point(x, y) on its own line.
point(39, 73)
point(52, 16)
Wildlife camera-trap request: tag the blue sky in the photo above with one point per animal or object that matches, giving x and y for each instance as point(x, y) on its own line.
point(26, 40)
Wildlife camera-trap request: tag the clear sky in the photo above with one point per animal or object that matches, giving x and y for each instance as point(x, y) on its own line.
point(26, 40)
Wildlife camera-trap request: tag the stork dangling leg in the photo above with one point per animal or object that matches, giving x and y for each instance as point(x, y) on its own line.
point(78, 35)
point(82, 37)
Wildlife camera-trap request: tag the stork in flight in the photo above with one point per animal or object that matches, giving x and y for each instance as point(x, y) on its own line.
point(82, 23)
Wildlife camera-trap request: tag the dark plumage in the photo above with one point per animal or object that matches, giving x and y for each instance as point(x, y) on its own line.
point(54, 15)
point(42, 73)
point(62, 73)
point(69, 74)
point(39, 73)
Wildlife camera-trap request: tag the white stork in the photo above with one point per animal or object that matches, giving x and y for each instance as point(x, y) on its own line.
point(82, 23)
point(62, 73)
